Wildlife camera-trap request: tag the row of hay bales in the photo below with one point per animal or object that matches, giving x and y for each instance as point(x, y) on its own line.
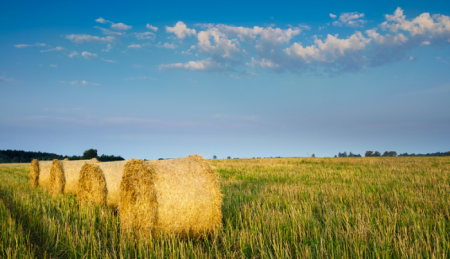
point(177, 196)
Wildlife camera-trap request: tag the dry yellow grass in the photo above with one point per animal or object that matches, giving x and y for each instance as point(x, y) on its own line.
point(177, 196)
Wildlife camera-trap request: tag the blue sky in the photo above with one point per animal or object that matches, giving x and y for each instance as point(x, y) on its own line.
point(239, 79)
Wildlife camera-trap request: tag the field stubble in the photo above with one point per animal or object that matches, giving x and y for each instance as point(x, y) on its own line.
point(272, 208)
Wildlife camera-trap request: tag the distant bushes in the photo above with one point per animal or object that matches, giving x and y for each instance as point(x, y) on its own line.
point(20, 156)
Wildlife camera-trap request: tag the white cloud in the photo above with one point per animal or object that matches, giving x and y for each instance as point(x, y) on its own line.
point(145, 35)
point(73, 54)
point(180, 29)
point(200, 65)
point(387, 39)
point(95, 84)
point(330, 49)
point(437, 25)
point(120, 26)
point(57, 48)
point(425, 43)
point(101, 20)
point(223, 46)
point(84, 82)
point(134, 46)
point(88, 55)
point(153, 28)
point(37, 44)
point(53, 65)
point(22, 46)
point(110, 61)
point(333, 15)
point(108, 48)
point(80, 38)
point(166, 45)
point(350, 20)
point(264, 63)
point(73, 82)
point(117, 26)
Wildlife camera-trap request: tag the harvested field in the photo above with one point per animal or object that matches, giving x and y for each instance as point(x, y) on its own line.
point(395, 207)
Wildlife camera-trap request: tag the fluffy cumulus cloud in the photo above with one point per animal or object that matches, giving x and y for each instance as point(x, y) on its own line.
point(153, 28)
point(436, 27)
point(353, 19)
point(238, 49)
point(88, 55)
point(81, 38)
point(330, 49)
point(388, 40)
point(181, 30)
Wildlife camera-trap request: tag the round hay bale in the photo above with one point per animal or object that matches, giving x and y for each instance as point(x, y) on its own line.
point(57, 179)
point(95, 160)
point(64, 175)
point(40, 173)
point(100, 183)
point(34, 173)
point(177, 196)
point(66, 159)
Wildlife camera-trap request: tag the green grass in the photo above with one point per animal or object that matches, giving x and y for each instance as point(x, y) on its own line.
point(272, 208)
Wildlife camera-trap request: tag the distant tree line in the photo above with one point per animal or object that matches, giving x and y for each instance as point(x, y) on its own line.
point(20, 156)
point(391, 154)
point(349, 155)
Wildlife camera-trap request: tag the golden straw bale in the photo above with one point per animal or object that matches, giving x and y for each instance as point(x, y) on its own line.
point(100, 183)
point(95, 160)
point(57, 179)
point(34, 173)
point(177, 196)
point(66, 159)
point(64, 175)
point(40, 173)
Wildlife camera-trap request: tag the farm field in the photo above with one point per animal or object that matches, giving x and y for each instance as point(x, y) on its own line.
point(397, 207)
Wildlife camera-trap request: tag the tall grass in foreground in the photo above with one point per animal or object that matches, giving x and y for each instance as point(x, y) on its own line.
point(272, 208)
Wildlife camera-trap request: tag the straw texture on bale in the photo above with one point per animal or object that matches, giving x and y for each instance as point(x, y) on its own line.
point(100, 183)
point(66, 159)
point(34, 173)
point(95, 160)
point(177, 196)
point(64, 175)
point(40, 173)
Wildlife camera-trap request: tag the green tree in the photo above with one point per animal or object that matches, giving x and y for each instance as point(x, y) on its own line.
point(368, 153)
point(376, 153)
point(89, 154)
